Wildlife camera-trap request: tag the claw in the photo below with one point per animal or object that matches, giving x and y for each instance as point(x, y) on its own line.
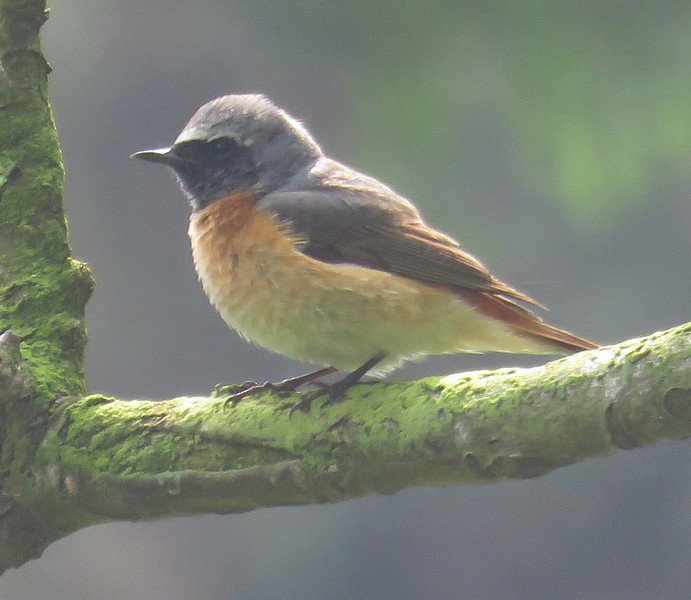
point(248, 390)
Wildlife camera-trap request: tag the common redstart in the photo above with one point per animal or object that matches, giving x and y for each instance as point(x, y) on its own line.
point(309, 258)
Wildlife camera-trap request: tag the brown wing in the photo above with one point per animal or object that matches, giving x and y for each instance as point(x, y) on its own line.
point(425, 254)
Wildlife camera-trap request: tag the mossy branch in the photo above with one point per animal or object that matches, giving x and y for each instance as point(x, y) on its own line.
point(43, 291)
point(145, 459)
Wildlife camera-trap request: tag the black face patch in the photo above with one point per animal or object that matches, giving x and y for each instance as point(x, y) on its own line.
point(210, 170)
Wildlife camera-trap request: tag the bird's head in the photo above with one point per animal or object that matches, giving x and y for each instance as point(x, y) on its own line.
point(234, 144)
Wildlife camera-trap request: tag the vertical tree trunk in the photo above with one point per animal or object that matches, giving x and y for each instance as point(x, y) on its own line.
point(42, 290)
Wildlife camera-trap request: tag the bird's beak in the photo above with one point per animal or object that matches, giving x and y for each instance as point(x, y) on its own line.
point(166, 156)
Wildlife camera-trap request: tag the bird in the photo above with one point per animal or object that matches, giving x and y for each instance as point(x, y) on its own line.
point(309, 258)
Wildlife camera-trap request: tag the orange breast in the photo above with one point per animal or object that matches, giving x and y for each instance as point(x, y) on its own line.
point(238, 251)
point(223, 232)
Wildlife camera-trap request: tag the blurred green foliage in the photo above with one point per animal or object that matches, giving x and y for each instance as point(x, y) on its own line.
point(592, 99)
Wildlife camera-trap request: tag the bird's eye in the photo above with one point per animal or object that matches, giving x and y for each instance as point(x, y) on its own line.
point(223, 145)
point(221, 152)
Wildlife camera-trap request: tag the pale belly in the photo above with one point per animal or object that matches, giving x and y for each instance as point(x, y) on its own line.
point(335, 314)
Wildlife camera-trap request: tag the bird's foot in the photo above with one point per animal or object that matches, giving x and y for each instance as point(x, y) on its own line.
point(335, 391)
point(251, 388)
point(246, 389)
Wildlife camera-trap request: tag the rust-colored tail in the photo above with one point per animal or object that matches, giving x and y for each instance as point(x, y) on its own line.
point(525, 322)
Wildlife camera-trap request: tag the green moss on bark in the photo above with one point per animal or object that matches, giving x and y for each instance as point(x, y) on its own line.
point(42, 295)
point(42, 290)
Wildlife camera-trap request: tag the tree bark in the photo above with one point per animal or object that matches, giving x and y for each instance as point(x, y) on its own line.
point(42, 290)
point(68, 460)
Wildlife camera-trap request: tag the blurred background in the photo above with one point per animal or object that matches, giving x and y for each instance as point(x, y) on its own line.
point(552, 139)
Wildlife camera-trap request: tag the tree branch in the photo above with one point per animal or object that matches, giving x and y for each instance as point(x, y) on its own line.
point(146, 459)
point(42, 290)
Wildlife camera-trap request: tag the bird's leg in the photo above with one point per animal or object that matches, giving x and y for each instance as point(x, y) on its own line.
point(336, 390)
point(287, 385)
